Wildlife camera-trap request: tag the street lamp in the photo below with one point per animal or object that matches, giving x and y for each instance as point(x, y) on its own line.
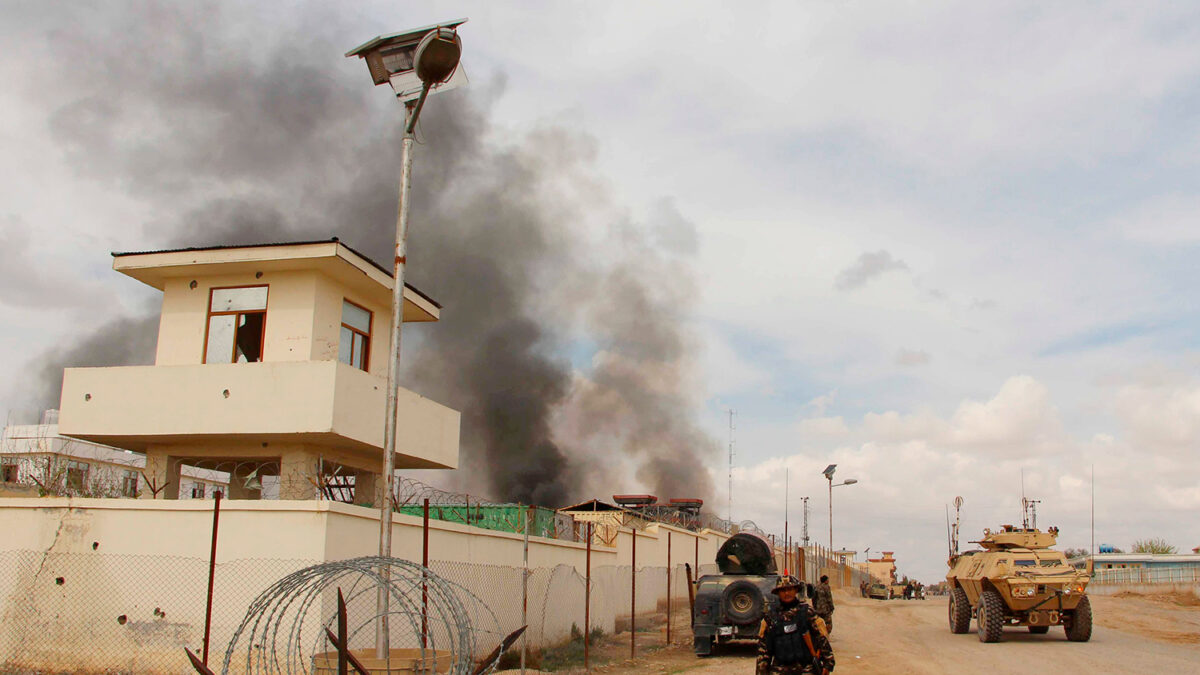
point(414, 63)
point(828, 472)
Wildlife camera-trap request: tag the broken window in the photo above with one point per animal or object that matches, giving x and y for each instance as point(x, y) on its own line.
point(197, 490)
point(355, 341)
point(237, 320)
point(129, 483)
point(77, 473)
point(10, 473)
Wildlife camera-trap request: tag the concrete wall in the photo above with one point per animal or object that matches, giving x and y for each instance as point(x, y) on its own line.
point(146, 561)
point(308, 530)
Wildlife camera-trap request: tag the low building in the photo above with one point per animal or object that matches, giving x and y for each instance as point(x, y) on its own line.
point(883, 568)
point(35, 459)
point(1144, 568)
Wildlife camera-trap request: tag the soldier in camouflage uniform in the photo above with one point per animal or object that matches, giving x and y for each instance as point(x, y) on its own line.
point(792, 638)
point(823, 602)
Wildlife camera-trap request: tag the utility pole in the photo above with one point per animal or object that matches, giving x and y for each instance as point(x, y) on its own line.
point(1093, 509)
point(729, 513)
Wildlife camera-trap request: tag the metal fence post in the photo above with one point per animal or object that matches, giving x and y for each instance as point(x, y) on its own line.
point(633, 597)
point(424, 586)
point(668, 587)
point(212, 568)
point(587, 604)
point(525, 587)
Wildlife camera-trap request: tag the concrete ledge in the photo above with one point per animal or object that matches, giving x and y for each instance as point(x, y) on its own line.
point(323, 403)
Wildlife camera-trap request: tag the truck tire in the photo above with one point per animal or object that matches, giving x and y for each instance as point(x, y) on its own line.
point(702, 645)
point(990, 622)
point(960, 611)
point(1039, 630)
point(1079, 627)
point(742, 603)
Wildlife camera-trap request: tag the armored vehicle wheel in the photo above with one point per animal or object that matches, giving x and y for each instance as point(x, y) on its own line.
point(1039, 630)
point(703, 646)
point(743, 602)
point(1079, 622)
point(990, 622)
point(960, 611)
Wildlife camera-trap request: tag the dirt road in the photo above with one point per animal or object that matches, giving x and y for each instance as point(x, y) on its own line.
point(1132, 635)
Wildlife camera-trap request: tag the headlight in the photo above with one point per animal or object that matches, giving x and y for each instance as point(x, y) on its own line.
point(1024, 591)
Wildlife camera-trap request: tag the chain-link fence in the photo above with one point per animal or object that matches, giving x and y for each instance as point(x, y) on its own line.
point(104, 613)
point(97, 613)
point(1146, 575)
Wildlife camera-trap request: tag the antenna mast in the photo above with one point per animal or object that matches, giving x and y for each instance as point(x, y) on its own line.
point(730, 512)
point(804, 533)
point(958, 502)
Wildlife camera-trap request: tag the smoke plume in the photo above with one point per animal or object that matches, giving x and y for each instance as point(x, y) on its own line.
point(233, 136)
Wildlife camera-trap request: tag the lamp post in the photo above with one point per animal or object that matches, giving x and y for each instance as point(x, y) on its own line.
point(828, 472)
point(414, 63)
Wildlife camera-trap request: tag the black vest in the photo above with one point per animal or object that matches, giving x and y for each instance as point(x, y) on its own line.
point(787, 637)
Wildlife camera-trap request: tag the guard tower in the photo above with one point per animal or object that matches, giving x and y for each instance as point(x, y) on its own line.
point(271, 367)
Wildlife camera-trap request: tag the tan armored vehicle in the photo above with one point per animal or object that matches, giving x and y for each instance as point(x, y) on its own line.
point(1016, 580)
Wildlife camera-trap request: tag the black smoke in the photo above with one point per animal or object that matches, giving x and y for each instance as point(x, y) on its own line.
point(235, 133)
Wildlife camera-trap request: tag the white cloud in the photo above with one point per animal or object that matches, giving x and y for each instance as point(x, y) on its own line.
point(910, 465)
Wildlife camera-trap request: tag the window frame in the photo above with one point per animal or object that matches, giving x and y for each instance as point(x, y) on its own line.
point(201, 487)
point(209, 314)
point(129, 483)
point(366, 366)
point(6, 468)
point(83, 469)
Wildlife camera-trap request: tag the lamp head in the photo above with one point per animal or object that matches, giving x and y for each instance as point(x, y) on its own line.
point(413, 59)
point(850, 481)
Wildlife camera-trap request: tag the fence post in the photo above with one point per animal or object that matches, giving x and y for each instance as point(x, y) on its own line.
point(587, 604)
point(668, 587)
point(212, 568)
point(424, 566)
point(633, 596)
point(525, 587)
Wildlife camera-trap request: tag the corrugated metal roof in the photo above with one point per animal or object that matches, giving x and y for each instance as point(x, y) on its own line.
point(381, 268)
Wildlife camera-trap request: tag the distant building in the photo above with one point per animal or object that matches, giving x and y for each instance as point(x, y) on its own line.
point(38, 459)
point(1144, 568)
point(883, 568)
point(271, 365)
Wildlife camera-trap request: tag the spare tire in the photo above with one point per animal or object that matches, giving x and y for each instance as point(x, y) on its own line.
point(742, 603)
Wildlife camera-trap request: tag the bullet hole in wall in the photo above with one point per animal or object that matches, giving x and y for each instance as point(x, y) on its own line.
point(60, 581)
point(122, 619)
point(95, 545)
point(87, 397)
point(193, 285)
point(225, 393)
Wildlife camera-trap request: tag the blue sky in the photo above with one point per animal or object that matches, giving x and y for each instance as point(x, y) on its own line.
point(1032, 166)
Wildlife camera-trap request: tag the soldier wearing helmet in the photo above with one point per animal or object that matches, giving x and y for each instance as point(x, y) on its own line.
point(792, 638)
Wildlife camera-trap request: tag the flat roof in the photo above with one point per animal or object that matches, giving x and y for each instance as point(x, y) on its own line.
point(402, 36)
point(331, 256)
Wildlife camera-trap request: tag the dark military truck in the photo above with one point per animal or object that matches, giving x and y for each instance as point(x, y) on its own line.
point(731, 605)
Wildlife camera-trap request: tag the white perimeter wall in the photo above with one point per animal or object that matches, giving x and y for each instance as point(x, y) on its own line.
point(168, 542)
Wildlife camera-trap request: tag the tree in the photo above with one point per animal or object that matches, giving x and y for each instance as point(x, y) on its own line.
point(1155, 545)
point(1073, 553)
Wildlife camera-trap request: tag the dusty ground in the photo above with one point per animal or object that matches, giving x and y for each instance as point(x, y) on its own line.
point(1133, 634)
